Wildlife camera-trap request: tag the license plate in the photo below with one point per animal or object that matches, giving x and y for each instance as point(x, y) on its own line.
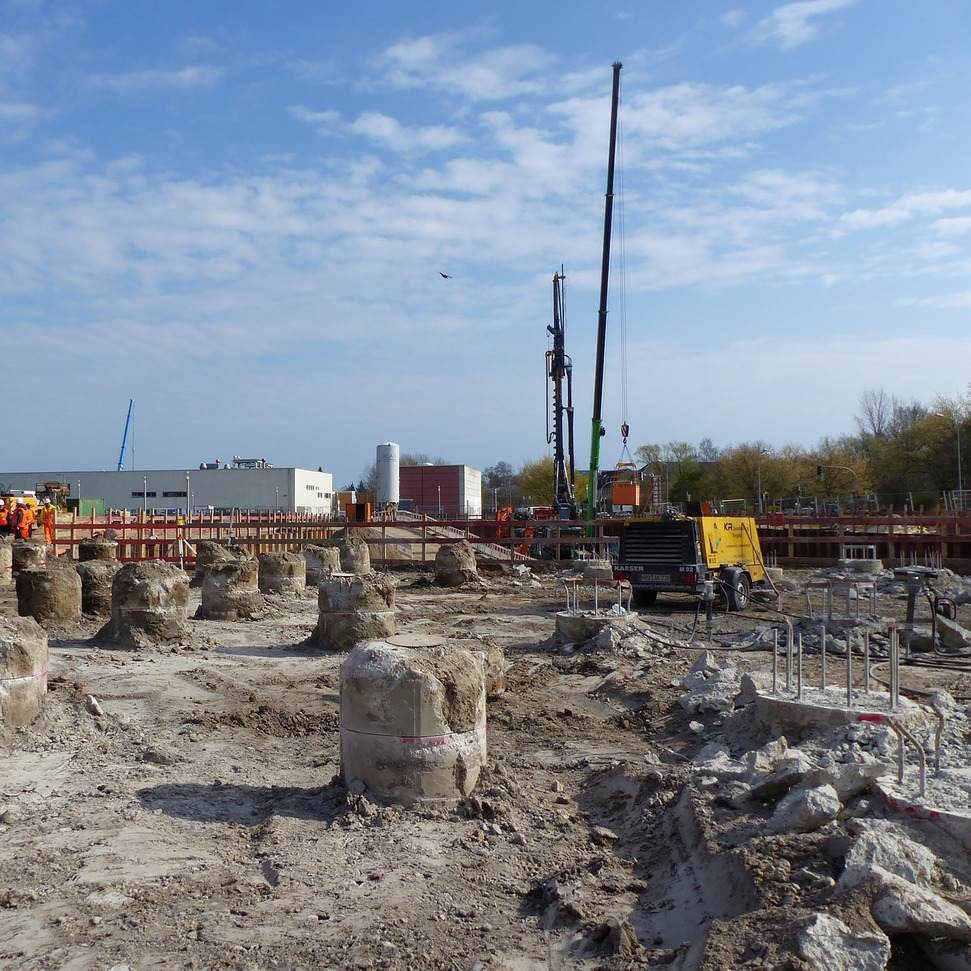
point(655, 577)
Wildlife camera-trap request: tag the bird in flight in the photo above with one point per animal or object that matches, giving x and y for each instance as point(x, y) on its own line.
point(444, 276)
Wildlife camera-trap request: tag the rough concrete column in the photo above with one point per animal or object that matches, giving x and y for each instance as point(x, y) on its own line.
point(97, 548)
point(96, 579)
point(51, 595)
point(283, 573)
point(23, 670)
point(208, 553)
point(353, 608)
point(322, 561)
point(413, 722)
point(148, 605)
point(6, 562)
point(455, 564)
point(230, 591)
point(354, 552)
point(28, 554)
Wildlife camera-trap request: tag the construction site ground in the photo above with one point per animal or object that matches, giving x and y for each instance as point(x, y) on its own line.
point(193, 817)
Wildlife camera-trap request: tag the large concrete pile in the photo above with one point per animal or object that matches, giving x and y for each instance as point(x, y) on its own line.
point(283, 573)
point(230, 591)
point(354, 552)
point(6, 562)
point(51, 595)
point(97, 548)
point(455, 564)
point(413, 723)
point(209, 553)
point(148, 606)
point(23, 670)
point(96, 579)
point(28, 554)
point(322, 561)
point(353, 608)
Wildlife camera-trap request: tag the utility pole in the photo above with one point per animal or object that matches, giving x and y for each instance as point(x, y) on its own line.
point(597, 431)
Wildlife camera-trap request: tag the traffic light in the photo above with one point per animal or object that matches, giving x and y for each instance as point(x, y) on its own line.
point(819, 471)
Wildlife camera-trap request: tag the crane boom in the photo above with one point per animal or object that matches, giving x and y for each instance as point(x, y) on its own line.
point(124, 437)
point(597, 430)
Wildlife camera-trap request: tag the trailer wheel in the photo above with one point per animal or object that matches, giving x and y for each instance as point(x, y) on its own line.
point(644, 598)
point(737, 588)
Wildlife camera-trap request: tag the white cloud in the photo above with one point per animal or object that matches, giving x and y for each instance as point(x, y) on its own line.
point(324, 120)
point(390, 132)
point(18, 112)
point(440, 61)
point(183, 78)
point(955, 226)
point(384, 130)
point(949, 301)
point(907, 207)
point(792, 24)
point(732, 18)
point(689, 115)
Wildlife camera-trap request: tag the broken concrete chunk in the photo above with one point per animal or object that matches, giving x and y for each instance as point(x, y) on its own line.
point(827, 944)
point(747, 692)
point(953, 636)
point(900, 907)
point(893, 852)
point(804, 810)
point(848, 779)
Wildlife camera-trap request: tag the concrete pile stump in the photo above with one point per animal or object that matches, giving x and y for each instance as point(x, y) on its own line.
point(455, 565)
point(23, 670)
point(6, 563)
point(28, 554)
point(322, 561)
point(230, 591)
point(208, 553)
point(353, 608)
point(354, 552)
point(96, 579)
point(413, 723)
point(51, 595)
point(283, 573)
point(148, 606)
point(97, 548)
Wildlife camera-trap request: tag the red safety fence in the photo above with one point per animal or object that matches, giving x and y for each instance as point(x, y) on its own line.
point(792, 540)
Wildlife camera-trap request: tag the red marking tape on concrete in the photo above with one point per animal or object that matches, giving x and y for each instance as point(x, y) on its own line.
point(26, 677)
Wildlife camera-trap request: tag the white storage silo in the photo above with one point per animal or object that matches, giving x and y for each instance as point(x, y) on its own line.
point(387, 465)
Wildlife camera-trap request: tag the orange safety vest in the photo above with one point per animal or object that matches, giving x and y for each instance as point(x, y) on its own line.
point(3, 515)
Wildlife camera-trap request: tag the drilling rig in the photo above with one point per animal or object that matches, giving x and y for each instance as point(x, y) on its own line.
point(559, 370)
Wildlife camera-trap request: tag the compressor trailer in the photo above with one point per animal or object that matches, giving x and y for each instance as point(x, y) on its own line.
point(678, 554)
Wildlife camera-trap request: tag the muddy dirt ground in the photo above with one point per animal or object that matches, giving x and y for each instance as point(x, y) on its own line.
point(199, 820)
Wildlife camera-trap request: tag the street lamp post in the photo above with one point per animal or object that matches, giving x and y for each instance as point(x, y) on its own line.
point(957, 435)
point(439, 502)
point(761, 505)
point(145, 494)
point(277, 498)
point(188, 508)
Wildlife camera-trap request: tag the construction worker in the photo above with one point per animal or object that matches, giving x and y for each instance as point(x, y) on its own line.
point(30, 517)
point(4, 518)
point(49, 518)
point(21, 525)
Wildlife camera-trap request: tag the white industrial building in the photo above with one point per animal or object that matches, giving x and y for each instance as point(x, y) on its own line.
point(260, 487)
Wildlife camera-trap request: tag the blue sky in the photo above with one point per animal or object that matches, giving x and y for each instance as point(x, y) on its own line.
point(237, 214)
